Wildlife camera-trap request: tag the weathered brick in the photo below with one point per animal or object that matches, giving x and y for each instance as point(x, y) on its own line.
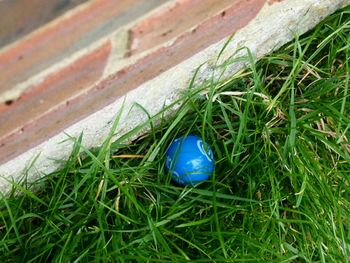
point(18, 17)
point(41, 112)
point(67, 95)
point(65, 36)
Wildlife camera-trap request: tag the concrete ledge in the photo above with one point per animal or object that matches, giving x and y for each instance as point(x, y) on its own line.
point(154, 66)
point(107, 69)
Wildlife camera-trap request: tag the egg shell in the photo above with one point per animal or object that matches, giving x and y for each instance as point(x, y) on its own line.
point(189, 160)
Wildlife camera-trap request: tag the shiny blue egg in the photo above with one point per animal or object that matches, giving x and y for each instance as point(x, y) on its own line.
point(189, 160)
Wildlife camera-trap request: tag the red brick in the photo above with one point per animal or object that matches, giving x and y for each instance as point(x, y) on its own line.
point(40, 49)
point(173, 21)
point(22, 123)
point(56, 118)
point(18, 17)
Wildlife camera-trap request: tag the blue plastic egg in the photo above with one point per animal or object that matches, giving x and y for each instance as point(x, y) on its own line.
point(189, 160)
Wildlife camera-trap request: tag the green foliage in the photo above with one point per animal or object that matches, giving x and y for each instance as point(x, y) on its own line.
point(280, 193)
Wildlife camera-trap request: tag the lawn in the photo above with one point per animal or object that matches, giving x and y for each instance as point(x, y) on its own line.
point(280, 191)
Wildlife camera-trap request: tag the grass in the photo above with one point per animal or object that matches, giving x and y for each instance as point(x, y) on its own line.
point(280, 192)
